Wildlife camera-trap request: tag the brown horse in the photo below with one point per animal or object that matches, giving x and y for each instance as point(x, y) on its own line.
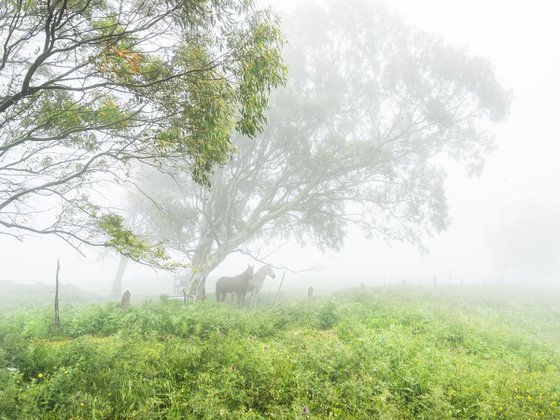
point(237, 284)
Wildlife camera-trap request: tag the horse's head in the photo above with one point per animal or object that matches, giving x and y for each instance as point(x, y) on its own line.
point(270, 271)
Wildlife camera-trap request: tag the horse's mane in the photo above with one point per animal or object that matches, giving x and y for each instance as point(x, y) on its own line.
point(262, 269)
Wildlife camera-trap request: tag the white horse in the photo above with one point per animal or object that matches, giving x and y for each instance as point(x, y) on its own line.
point(256, 283)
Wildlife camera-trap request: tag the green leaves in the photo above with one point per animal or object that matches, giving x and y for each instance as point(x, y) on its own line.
point(101, 84)
point(207, 117)
point(260, 69)
point(218, 97)
point(131, 245)
point(110, 114)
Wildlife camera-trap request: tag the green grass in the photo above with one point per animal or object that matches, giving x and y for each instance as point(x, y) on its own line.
point(391, 353)
point(16, 297)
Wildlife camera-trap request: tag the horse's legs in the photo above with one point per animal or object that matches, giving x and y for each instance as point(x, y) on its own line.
point(254, 299)
point(240, 299)
point(220, 293)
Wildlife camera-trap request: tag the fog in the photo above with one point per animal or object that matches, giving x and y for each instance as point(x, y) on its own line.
point(504, 224)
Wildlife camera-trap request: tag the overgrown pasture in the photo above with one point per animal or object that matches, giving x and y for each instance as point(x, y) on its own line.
point(397, 352)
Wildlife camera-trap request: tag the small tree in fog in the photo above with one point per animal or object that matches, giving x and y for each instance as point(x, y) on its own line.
point(89, 86)
point(371, 110)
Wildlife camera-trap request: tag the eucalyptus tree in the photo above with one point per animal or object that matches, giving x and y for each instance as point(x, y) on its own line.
point(89, 86)
point(371, 111)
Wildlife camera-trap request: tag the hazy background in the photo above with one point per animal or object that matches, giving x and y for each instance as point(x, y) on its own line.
point(505, 223)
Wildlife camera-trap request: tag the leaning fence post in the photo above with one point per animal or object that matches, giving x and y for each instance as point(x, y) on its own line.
point(279, 287)
point(56, 306)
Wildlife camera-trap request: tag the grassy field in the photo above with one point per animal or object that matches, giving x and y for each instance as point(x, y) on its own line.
point(396, 352)
point(15, 297)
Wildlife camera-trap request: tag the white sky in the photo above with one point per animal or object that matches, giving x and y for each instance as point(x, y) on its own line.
point(522, 39)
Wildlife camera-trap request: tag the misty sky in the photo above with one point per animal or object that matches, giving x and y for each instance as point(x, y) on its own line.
point(522, 39)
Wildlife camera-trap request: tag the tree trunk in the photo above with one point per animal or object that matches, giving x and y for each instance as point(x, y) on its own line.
point(197, 284)
point(204, 261)
point(116, 292)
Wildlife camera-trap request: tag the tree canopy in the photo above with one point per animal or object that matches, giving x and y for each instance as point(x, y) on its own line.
point(359, 135)
point(89, 86)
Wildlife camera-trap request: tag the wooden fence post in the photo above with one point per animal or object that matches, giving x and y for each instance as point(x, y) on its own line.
point(125, 300)
point(56, 305)
point(279, 287)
